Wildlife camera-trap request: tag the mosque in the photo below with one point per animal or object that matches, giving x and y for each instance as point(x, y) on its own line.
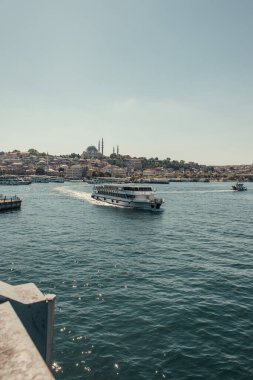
point(94, 153)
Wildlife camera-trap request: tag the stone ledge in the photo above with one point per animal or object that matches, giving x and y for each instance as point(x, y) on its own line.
point(19, 358)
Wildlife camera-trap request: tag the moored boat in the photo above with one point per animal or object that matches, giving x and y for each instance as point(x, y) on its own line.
point(159, 181)
point(56, 179)
point(128, 195)
point(39, 179)
point(13, 180)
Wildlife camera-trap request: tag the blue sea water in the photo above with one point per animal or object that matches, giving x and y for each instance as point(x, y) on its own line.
point(140, 295)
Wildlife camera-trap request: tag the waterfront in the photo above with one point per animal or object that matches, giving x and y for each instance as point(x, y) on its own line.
point(139, 295)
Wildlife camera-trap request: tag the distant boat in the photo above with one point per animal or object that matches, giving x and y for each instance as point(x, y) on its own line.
point(39, 179)
point(13, 180)
point(239, 186)
point(46, 179)
point(154, 180)
point(93, 181)
point(56, 179)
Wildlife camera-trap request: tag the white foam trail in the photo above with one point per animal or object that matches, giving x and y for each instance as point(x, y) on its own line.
point(73, 193)
point(84, 196)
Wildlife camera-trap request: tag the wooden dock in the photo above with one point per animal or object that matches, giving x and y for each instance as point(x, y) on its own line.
point(9, 203)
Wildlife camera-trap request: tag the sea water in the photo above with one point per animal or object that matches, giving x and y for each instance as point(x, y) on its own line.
point(140, 295)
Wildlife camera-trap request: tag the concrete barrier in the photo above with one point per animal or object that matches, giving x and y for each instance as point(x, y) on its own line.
point(26, 332)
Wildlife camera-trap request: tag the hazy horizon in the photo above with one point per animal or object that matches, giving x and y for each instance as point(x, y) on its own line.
point(126, 154)
point(159, 79)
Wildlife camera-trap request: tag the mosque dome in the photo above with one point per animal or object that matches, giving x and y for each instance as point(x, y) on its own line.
point(91, 152)
point(91, 149)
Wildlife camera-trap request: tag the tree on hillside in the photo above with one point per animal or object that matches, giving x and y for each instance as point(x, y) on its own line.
point(32, 151)
point(40, 171)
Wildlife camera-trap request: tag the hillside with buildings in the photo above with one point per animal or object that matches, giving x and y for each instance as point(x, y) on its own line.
point(92, 163)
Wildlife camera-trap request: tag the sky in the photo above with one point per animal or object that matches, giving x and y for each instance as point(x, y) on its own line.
point(158, 78)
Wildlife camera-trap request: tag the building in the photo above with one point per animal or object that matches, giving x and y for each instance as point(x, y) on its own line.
point(74, 171)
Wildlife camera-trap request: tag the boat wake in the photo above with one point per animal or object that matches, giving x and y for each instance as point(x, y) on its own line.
point(73, 193)
point(84, 196)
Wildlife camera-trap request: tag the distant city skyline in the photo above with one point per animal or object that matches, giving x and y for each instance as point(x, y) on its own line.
point(163, 78)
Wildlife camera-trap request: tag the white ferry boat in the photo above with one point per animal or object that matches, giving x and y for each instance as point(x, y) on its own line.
point(128, 195)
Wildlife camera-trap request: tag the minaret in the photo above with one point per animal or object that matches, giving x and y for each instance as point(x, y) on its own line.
point(99, 146)
point(47, 163)
point(113, 150)
point(102, 146)
point(117, 150)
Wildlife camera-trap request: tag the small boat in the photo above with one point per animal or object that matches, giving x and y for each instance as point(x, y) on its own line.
point(127, 195)
point(239, 186)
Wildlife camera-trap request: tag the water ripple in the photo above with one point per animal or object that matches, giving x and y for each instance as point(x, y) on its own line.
point(139, 295)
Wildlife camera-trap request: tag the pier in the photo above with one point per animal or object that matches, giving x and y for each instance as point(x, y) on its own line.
point(9, 203)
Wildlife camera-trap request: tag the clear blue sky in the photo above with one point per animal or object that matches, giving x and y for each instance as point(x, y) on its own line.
point(165, 78)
